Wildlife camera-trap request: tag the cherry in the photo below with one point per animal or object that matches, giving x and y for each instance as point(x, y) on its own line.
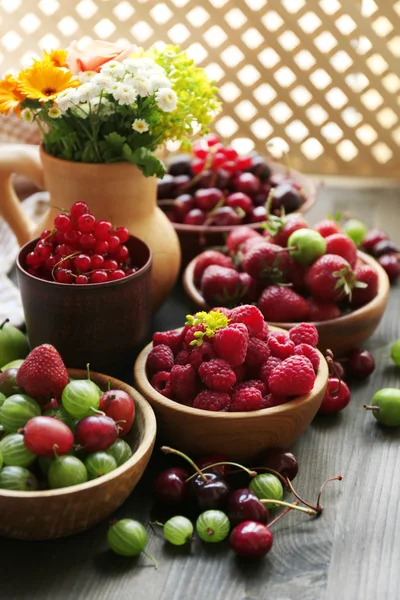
point(195, 217)
point(258, 214)
point(373, 237)
point(360, 363)
point(247, 183)
point(86, 223)
point(98, 277)
point(287, 197)
point(170, 485)
point(96, 432)
point(282, 461)
point(45, 436)
point(337, 397)
point(384, 247)
point(239, 200)
point(210, 490)
point(82, 262)
point(244, 506)
point(63, 223)
point(181, 183)
point(206, 199)
point(259, 168)
point(225, 215)
point(210, 459)
point(337, 370)
point(122, 233)
point(78, 209)
point(118, 405)
point(102, 230)
point(391, 264)
point(251, 539)
point(165, 187)
point(180, 165)
point(182, 205)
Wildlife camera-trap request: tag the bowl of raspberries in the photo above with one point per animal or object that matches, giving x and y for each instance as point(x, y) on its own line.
point(229, 383)
point(295, 273)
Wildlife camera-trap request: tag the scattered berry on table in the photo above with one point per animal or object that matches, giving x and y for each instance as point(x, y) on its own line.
point(337, 397)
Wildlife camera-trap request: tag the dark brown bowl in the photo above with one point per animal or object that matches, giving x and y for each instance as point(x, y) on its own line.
point(196, 238)
point(103, 324)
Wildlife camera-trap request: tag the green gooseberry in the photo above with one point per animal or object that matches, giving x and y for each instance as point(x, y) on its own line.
point(212, 526)
point(178, 530)
point(267, 486)
point(8, 383)
point(128, 537)
point(1, 460)
point(16, 411)
point(306, 246)
point(100, 463)
point(395, 353)
point(61, 414)
point(81, 398)
point(2, 399)
point(356, 230)
point(14, 451)
point(120, 450)
point(17, 478)
point(66, 471)
point(385, 406)
point(14, 364)
point(13, 343)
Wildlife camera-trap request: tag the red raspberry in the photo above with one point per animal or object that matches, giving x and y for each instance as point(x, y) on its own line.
point(237, 236)
point(183, 358)
point(279, 304)
point(268, 367)
point(327, 227)
point(322, 311)
point(246, 399)
point(280, 345)
point(342, 245)
point(367, 275)
point(231, 343)
point(160, 358)
point(309, 352)
point(210, 400)
point(293, 377)
point(217, 374)
point(251, 383)
point(173, 339)
point(304, 333)
point(201, 354)
point(250, 316)
point(161, 382)
point(207, 258)
point(269, 401)
point(264, 334)
point(184, 383)
point(257, 352)
point(240, 373)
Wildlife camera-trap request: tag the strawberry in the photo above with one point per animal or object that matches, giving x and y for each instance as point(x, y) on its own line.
point(43, 375)
point(238, 236)
point(343, 246)
point(279, 304)
point(207, 258)
point(369, 276)
point(251, 289)
point(268, 263)
point(327, 227)
point(323, 311)
point(330, 278)
point(221, 285)
point(289, 224)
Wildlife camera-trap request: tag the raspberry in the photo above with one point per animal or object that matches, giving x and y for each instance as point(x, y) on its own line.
point(160, 358)
point(304, 333)
point(217, 374)
point(257, 352)
point(269, 401)
point(162, 384)
point(264, 334)
point(173, 339)
point(184, 383)
point(293, 377)
point(251, 383)
point(182, 358)
point(310, 353)
point(268, 367)
point(210, 400)
point(231, 343)
point(240, 372)
point(201, 354)
point(250, 316)
point(280, 345)
point(207, 258)
point(246, 399)
point(223, 309)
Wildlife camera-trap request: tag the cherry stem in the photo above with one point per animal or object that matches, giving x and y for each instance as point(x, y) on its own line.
point(291, 488)
point(318, 508)
point(156, 523)
point(309, 511)
point(4, 322)
point(278, 475)
point(168, 450)
point(109, 385)
point(154, 560)
point(268, 203)
point(321, 489)
point(288, 249)
point(99, 412)
point(285, 512)
point(241, 468)
point(88, 370)
point(371, 407)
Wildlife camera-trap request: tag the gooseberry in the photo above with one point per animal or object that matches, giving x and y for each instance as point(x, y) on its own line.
point(17, 478)
point(128, 538)
point(14, 451)
point(80, 397)
point(65, 471)
point(212, 526)
point(267, 486)
point(16, 412)
point(99, 464)
point(121, 451)
point(178, 530)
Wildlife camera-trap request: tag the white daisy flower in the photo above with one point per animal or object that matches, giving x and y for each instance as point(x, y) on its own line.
point(166, 99)
point(27, 115)
point(87, 91)
point(159, 80)
point(66, 99)
point(103, 79)
point(85, 76)
point(123, 93)
point(54, 112)
point(140, 125)
point(132, 65)
point(114, 68)
point(142, 85)
point(105, 106)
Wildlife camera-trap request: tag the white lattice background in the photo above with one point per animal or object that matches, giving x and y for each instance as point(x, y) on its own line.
point(318, 77)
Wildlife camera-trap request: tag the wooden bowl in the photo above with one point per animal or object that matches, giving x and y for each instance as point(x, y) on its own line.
point(240, 436)
point(196, 238)
point(339, 335)
point(55, 513)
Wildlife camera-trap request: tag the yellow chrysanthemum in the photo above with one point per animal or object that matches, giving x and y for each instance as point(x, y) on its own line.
point(57, 57)
point(10, 97)
point(44, 81)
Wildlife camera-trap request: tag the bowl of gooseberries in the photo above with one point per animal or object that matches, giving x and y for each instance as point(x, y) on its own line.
point(68, 489)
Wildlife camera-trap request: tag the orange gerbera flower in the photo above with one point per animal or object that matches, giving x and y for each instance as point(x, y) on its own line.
point(44, 81)
point(57, 57)
point(10, 97)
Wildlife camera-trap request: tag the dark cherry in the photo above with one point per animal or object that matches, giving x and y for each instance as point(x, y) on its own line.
point(165, 187)
point(170, 485)
point(259, 168)
point(195, 217)
point(205, 178)
point(208, 198)
point(247, 183)
point(391, 264)
point(223, 179)
point(384, 247)
point(180, 165)
point(225, 215)
point(373, 237)
point(260, 198)
point(258, 214)
point(245, 506)
point(8, 382)
point(182, 205)
point(337, 370)
point(210, 494)
point(280, 460)
point(181, 185)
point(210, 459)
point(251, 539)
point(360, 363)
point(287, 197)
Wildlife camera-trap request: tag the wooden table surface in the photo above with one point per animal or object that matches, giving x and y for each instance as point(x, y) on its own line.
point(352, 552)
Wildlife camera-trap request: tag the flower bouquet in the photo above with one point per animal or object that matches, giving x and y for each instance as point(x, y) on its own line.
point(111, 104)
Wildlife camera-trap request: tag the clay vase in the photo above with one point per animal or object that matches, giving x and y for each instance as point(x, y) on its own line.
point(118, 192)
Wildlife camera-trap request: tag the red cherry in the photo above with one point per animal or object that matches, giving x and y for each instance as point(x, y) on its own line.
point(47, 436)
point(231, 166)
point(182, 205)
point(96, 261)
point(118, 405)
point(207, 199)
point(96, 432)
point(82, 262)
point(63, 223)
point(195, 217)
point(244, 506)
point(239, 200)
point(225, 215)
point(86, 223)
point(78, 209)
point(102, 230)
point(360, 363)
point(122, 233)
point(210, 459)
point(337, 397)
point(251, 539)
point(98, 277)
point(373, 237)
point(170, 485)
point(391, 264)
point(258, 214)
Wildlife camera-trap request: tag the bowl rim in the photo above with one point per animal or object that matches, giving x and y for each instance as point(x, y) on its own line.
point(383, 291)
point(143, 384)
point(138, 274)
point(146, 445)
point(305, 180)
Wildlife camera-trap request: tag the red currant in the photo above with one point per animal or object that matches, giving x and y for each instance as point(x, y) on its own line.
point(42, 252)
point(113, 243)
point(117, 274)
point(243, 162)
point(123, 253)
point(86, 223)
point(230, 166)
point(51, 262)
point(199, 150)
point(103, 230)
point(82, 262)
point(82, 279)
point(230, 153)
point(212, 139)
point(64, 276)
point(198, 165)
point(219, 160)
point(122, 233)
point(110, 264)
point(72, 237)
point(63, 250)
point(96, 261)
point(98, 277)
point(87, 241)
point(59, 237)
point(130, 271)
point(78, 209)
point(101, 247)
point(32, 260)
point(63, 223)
point(45, 234)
